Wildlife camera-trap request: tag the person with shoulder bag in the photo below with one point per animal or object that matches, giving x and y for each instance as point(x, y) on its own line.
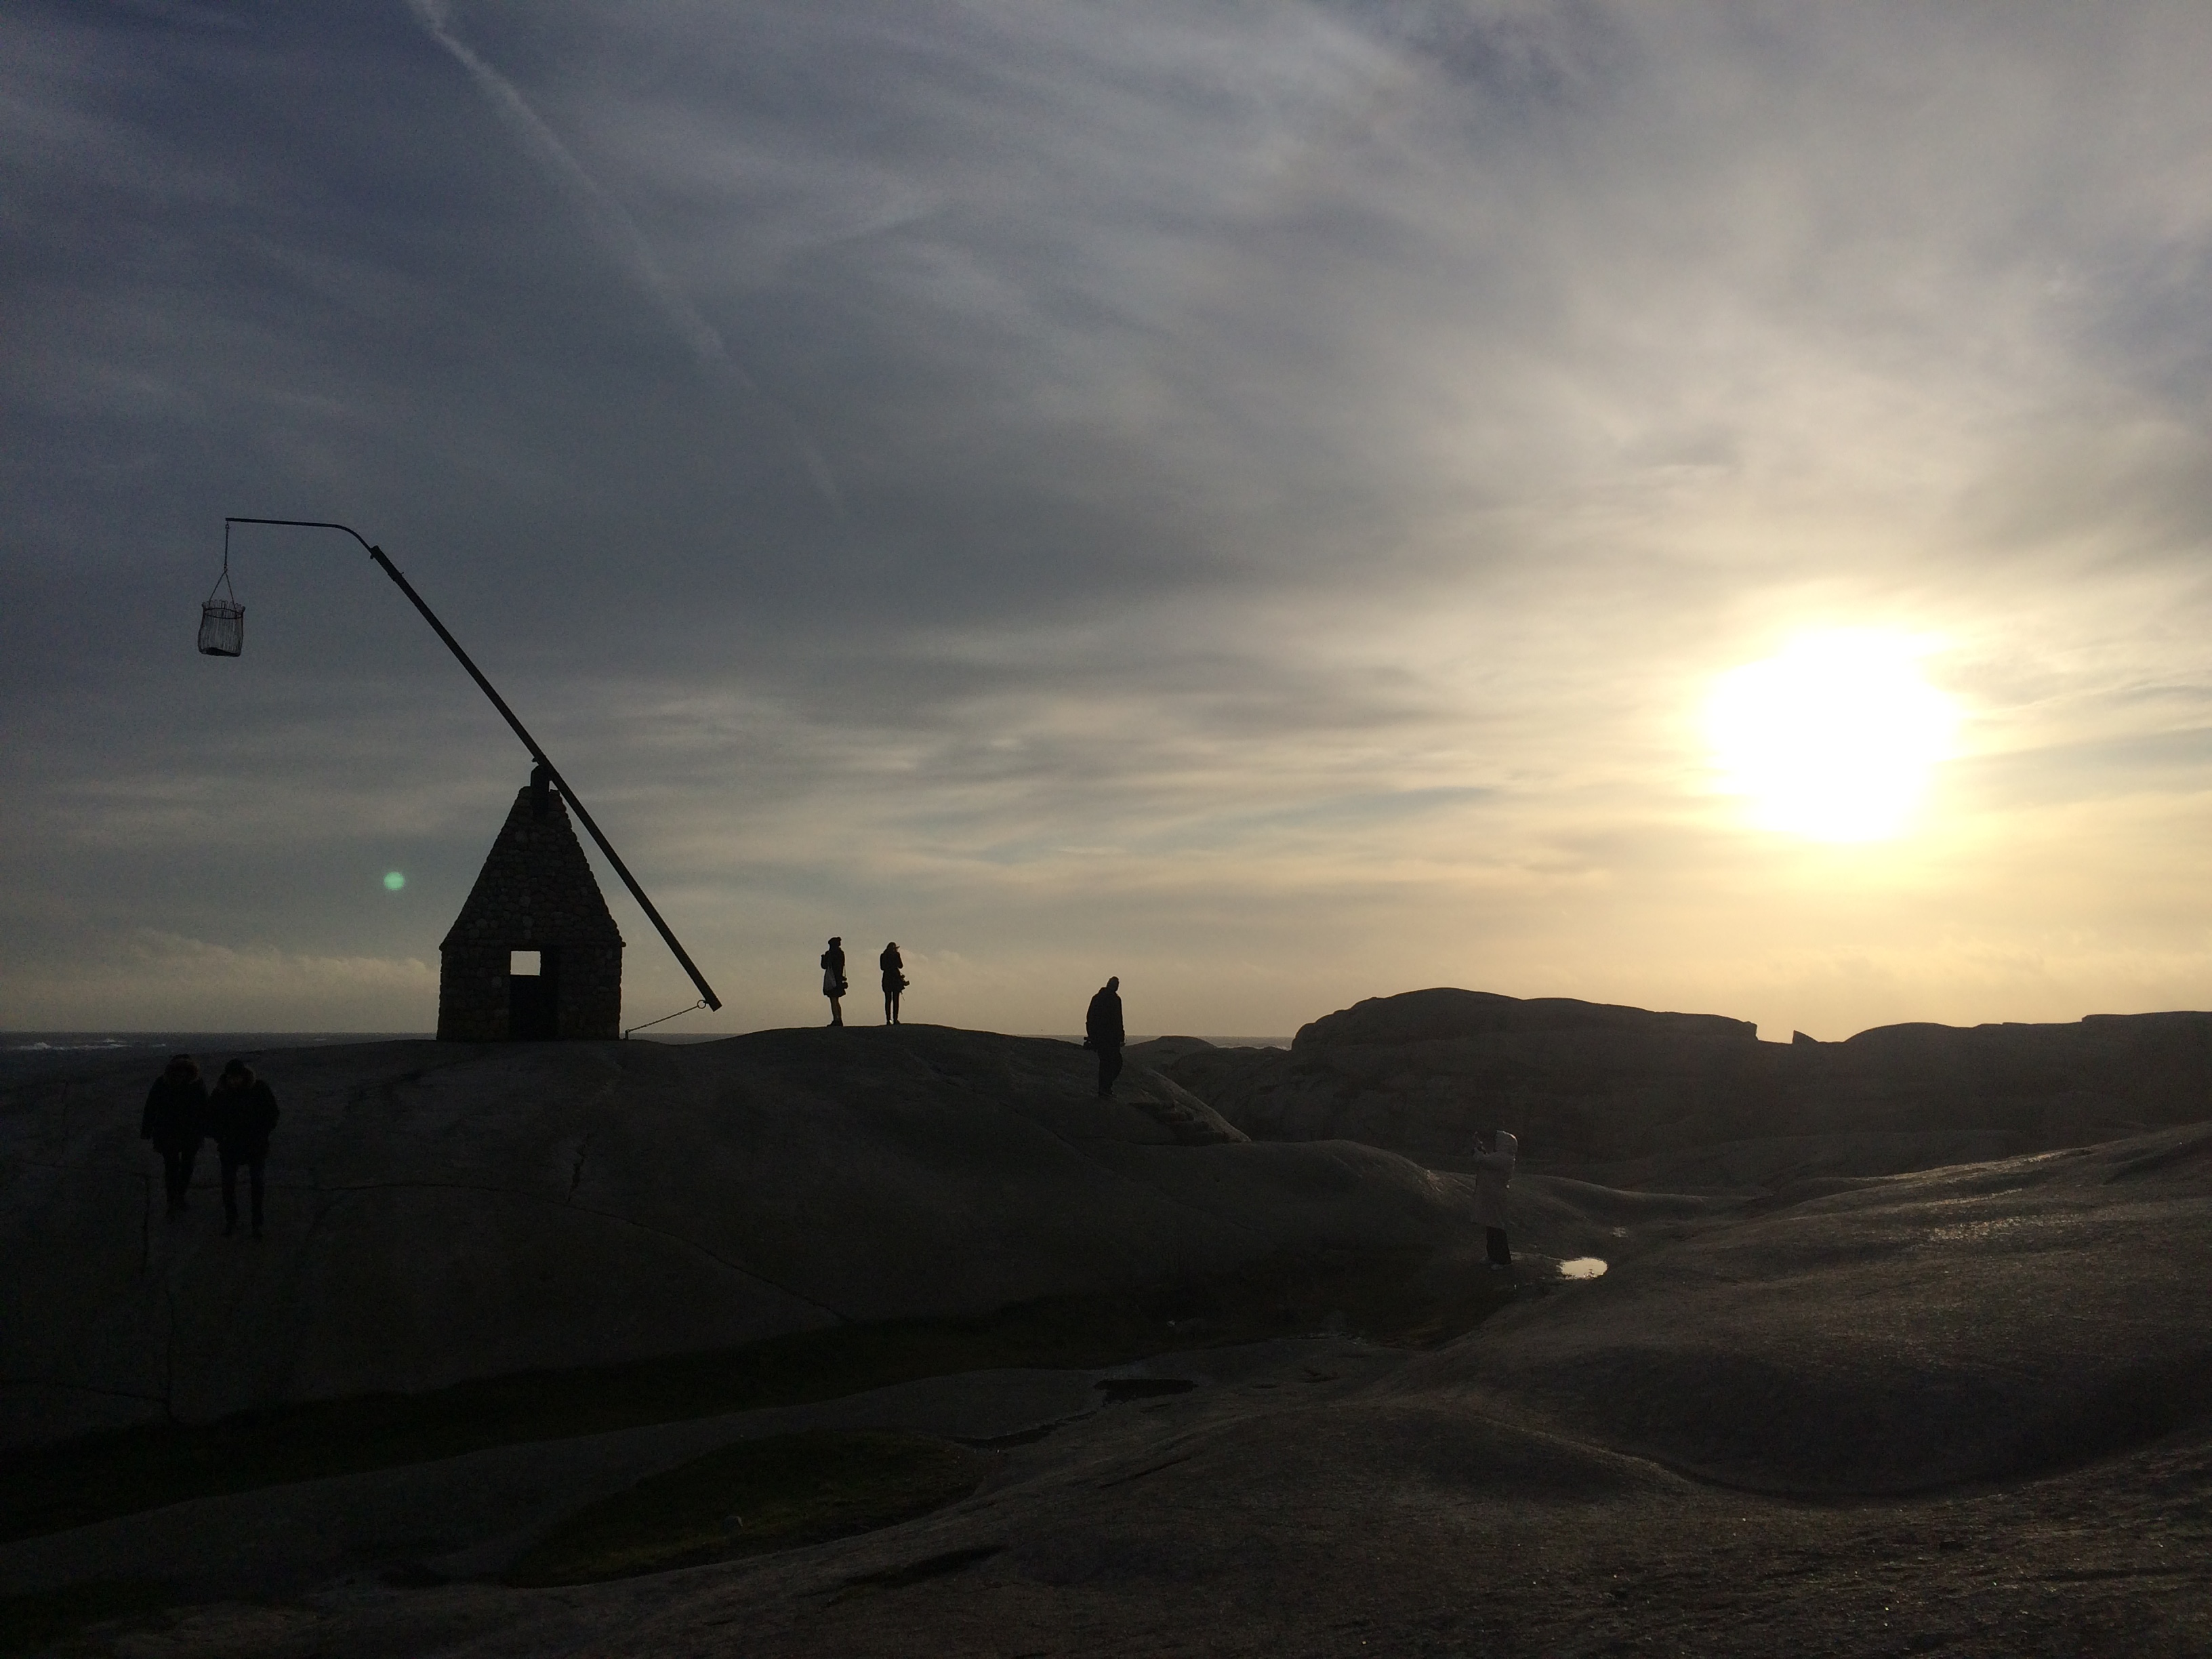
point(893, 971)
point(833, 979)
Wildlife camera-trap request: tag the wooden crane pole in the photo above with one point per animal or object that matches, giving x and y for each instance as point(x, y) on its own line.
point(537, 752)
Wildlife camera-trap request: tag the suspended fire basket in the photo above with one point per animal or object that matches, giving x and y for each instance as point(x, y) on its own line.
point(222, 620)
point(222, 634)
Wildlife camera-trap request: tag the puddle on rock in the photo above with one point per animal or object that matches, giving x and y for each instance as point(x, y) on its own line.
point(1583, 1266)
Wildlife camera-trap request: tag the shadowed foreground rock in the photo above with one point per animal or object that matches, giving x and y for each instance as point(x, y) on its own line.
point(1962, 1410)
point(445, 1211)
point(2009, 1363)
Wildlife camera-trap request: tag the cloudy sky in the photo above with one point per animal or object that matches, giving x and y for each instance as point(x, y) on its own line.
point(1261, 499)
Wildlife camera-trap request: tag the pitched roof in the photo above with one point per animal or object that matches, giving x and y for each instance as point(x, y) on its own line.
point(535, 888)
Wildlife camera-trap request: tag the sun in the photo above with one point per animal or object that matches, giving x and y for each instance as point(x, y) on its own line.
point(1834, 736)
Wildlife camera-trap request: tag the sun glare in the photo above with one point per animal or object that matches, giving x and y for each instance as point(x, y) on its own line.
point(1832, 739)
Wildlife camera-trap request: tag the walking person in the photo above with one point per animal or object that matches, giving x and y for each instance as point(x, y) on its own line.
point(833, 979)
point(242, 1113)
point(1495, 1153)
point(175, 1121)
point(894, 969)
point(1101, 1032)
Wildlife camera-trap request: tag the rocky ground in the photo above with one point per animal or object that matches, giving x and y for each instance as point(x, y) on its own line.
point(445, 1211)
point(1962, 1409)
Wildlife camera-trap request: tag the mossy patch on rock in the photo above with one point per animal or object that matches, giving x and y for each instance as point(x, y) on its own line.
point(58, 1621)
point(751, 1498)
point(1407, 1298)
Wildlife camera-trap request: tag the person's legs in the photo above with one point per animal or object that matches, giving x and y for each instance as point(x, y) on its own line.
point(1109, 1068)
point(176, 1176)
point(836, 1013)
point(895, 1007)
point(1500, 1255)
point(229, 1195)
point(891, 1008)
point(253, 1173)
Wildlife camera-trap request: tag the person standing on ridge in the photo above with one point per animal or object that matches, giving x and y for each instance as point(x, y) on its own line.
point(176, 1122)
point(894, 969)
point(242, 1113)
point(1102, 1031)
point(833, 978)
point(1495, 1153)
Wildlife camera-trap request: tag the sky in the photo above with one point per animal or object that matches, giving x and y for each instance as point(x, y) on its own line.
point(1283, 503)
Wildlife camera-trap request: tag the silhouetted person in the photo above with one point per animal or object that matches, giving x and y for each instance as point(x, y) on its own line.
point(1102, 1031)
point(176, 1122)
point(833, 979)
point(242, 1113)
point(1493, 1171)
point(894, 980)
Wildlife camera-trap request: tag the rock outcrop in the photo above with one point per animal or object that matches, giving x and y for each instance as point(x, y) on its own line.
point(1640, 1098)
point(2000, 1369)
point(1999, 1372)
point(438, 1211)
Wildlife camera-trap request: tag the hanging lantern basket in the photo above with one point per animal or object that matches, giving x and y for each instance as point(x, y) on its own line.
point(223, 628)
point(223, 620)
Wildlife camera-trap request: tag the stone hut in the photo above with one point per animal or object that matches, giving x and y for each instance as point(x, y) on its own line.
point(534, 953)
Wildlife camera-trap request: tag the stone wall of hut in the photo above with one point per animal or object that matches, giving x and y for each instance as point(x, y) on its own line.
point(536, 892)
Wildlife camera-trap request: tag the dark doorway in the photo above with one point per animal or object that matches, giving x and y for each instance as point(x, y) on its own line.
point(533, 996)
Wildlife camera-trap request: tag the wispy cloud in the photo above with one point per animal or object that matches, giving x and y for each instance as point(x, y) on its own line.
point(614, 228)
point(607, 219)
point(1298, 472)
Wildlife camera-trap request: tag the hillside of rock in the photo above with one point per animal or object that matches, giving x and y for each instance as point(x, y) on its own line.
point(1632, 1097)
point(1962, 1412)
point(1979, 1322)
point(440, 1212)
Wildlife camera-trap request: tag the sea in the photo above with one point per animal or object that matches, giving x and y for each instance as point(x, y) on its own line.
point(26, 1056)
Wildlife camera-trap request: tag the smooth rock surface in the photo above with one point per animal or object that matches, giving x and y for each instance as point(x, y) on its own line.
point(471, 1516)
point(2010, 1357)
point(438, 1211)
point(1975, 1323)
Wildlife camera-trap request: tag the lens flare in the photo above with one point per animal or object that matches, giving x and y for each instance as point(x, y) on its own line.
point(394, 881)
point(1833, 738)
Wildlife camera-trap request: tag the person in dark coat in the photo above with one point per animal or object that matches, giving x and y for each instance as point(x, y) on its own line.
point(242, 1113)
point(176, 1122)
point(833, 979)
point(894, 966)
point(1102, 1033)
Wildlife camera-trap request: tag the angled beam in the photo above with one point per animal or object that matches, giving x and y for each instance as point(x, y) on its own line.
point(537, 753)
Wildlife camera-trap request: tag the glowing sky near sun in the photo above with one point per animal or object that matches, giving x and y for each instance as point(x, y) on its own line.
point(1697, 505)
point(1832, 738)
